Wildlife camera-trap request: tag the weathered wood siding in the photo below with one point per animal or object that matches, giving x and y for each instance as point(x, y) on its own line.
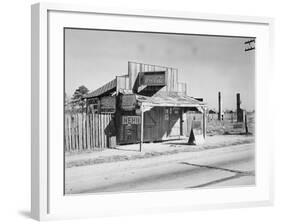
point(182, 88)
point(160, 123)
point(88, 131)
point(122, 83)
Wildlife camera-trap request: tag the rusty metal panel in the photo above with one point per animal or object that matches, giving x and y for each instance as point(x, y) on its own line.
point(108, 104)
point(128, 102)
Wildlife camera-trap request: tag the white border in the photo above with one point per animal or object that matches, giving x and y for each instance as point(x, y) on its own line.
point(48, 201)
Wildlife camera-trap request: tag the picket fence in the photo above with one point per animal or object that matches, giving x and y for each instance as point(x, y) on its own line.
point(84, 131)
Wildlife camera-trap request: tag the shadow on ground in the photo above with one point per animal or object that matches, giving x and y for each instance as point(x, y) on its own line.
point(237, 175)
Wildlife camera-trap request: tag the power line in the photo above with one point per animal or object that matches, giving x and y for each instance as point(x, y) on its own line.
point(250, 45)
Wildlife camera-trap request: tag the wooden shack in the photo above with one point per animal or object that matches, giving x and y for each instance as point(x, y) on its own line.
point(148, 104)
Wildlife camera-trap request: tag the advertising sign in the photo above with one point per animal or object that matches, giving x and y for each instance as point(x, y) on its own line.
point(108, 104)
point(128, 102)
point(153, 79)
point(131, 120)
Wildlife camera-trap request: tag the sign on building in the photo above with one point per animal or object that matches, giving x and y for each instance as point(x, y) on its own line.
point(108, 104)
point(131, 119)
point(128, 102)
point(153, 78)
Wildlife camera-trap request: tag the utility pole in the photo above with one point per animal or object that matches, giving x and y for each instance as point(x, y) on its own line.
point(246, 123)
point(219, 109)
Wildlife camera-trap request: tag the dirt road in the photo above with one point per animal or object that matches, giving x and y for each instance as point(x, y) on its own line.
point(227, 166)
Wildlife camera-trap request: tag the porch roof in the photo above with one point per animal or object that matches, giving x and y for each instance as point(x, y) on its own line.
point(169, 100)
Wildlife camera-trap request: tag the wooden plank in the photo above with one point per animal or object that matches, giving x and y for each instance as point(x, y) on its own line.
point(105, 136)
point(76, 131)
point(72, 132)
point(80, 131)
point(83, 130)
point(66, 133)
point(98, 121)
point(69, 132)
point(93, 130)
point(66, 146)
point(95, 133)
point(100, 132)
point(88, 131)
point(102, 128)
point(142, 127)
point(97, 130)
point(103, 133)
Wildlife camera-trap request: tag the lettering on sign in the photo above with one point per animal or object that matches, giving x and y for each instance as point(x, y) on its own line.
point(153, 79)
point(128, 102)
point(108, 104)
point(131, 120)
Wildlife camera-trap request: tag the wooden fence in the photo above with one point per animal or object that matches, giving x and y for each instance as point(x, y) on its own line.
point(84, 131)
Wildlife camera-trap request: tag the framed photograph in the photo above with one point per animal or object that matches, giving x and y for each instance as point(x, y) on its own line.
point(138, 111)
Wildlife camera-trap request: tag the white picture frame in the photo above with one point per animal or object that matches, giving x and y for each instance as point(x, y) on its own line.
point(47, 198)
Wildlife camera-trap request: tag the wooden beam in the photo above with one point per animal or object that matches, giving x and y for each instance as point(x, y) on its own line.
point(142, 125)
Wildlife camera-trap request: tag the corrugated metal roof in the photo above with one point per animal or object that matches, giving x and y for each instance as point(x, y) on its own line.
point(110, 86)
point(173, 100)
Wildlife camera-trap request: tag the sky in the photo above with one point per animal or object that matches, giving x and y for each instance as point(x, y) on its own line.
point(208, 64)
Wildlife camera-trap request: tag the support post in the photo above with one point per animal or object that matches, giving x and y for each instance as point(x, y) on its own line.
point(204, 122)
point(142, 125)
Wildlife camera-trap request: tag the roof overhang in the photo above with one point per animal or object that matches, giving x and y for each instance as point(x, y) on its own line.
point(169, 101)
point(104, 90)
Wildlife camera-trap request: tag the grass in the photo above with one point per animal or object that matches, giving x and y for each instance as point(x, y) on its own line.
point(230, 127)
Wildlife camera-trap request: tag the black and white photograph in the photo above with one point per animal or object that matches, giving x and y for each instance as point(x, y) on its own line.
point(148, 111)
